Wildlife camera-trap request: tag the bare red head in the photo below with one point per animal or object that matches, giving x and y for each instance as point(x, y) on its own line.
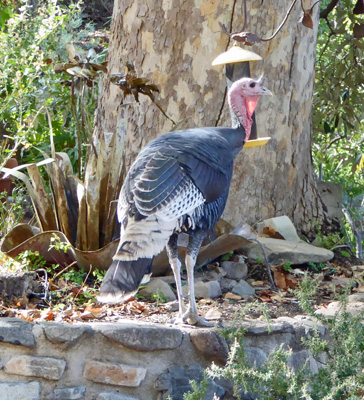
point(243, 97)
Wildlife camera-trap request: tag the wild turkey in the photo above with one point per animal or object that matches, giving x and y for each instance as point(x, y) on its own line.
point(178, 183)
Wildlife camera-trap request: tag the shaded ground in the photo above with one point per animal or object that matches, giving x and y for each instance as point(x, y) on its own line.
point(71, 302)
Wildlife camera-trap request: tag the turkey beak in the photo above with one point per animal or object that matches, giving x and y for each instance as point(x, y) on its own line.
point(265, 92)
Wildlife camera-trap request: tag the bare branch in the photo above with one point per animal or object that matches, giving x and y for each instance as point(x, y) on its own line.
point(250, 38)
point(245, 15)
point(282, 23)
point(324, 14)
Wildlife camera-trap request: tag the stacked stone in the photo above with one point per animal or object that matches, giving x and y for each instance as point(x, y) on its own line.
point(106, 361)
point(128, 360)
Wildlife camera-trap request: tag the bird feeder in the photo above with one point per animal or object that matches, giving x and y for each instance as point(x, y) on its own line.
point(236, 61)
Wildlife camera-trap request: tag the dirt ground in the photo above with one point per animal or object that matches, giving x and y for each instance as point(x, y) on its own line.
point(76, 303)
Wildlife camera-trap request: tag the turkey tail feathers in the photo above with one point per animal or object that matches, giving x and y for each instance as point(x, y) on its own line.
point(123, 278)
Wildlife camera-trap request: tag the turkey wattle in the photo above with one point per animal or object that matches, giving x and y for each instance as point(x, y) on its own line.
point(178, 183)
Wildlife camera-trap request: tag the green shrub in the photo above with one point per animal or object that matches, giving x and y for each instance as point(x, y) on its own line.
point(32, 41)
point(341, 377)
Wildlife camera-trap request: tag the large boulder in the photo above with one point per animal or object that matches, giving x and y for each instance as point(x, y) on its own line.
point(281, 251)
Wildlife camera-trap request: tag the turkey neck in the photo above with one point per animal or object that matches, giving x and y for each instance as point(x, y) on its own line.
point(241, 119)
point(234, 72)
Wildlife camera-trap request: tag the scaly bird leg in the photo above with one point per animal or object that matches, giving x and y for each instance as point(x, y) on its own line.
point(194, 244)
point(172, 251)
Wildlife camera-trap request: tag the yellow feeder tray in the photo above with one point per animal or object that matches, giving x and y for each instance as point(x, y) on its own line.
point(257, 142)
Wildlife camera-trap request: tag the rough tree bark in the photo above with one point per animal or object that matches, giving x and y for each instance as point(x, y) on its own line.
point(173, 42)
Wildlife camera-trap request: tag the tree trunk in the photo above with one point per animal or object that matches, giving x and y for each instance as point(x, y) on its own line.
point(173, 43)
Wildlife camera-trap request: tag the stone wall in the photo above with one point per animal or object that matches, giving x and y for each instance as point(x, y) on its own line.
point(127, 360)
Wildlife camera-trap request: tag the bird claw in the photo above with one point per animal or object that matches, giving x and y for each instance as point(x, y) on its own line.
point(192, 318)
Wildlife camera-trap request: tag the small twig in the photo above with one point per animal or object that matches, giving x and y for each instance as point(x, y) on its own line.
point(330, 27)
point(163, 112)
point(83, 282)
point(339, 246)
point(282, 23)
point(64, 270)
point(266, 263)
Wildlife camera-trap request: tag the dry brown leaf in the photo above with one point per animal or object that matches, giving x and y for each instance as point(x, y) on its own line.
point(282, 278)
point(232, 296)
point(279, 277)
point(265, 298)
point(47, 315)
point(202, 302)
point(258, 283)
point(270, 232)
point(96, 312)
point(278, 298)
point(87, 315)
point(28, 315)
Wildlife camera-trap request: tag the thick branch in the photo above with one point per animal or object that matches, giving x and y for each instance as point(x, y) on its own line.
point(324, 13)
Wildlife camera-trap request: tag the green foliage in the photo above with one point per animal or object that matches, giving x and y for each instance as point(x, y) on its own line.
point(340, 354)
point(199, 390)
point(31, 260)
point(98, 275)
point(159, 298)
point(32, 40)
point(316, 267)
point(11, 213)
point(227, 256)
point(58, 245)
point(338, 114)
point(287, 266)
point(345, 253)
point(75, 276)
point(329, 241)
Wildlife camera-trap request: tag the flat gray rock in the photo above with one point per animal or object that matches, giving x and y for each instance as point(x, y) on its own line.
point(281, 251)
point(204, 290)
point(235, 270)
point(65, 333)
point(143, 337)
point(176, 381)
point(17, 285)
point(113, 396)
point(356, 298)
point(19, 391)
point(261, 328)
point(243, 288)
point(334, 308)
point(72, 393)
point(210, 345)
point(16, 331)
point(156, 286)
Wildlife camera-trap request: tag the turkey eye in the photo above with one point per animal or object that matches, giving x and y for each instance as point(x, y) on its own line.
point(252, 84)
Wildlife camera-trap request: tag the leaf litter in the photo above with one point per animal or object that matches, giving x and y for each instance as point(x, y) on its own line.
point(74, 303)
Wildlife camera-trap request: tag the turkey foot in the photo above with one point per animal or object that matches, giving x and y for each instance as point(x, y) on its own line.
point(192, 318)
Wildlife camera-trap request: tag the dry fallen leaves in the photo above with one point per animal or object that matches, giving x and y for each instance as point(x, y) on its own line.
point(282, 278)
